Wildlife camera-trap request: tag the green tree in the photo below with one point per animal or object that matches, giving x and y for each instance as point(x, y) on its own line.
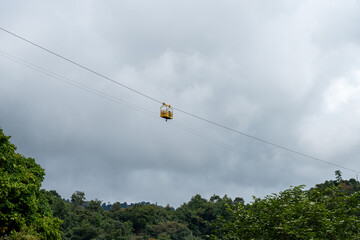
point(24, 210)
point(173, 230)
point(294, 214)
point(347, 187)
point(87, 219)
point(338, 175)
point(78, 198)
point(144, 217)
point(115, 207)
point(199, 214)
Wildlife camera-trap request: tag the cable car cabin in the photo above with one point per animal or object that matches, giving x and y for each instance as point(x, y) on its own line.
point(166, 111)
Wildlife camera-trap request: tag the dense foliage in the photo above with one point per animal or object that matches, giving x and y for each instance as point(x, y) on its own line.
point(84, 219)
point(24, 211)
point(295, 214)
point(330, 210)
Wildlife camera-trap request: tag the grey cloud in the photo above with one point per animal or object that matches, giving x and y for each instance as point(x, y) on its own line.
point(258, 67)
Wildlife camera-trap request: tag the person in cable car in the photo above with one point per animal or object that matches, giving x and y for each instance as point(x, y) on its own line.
point(166, 111)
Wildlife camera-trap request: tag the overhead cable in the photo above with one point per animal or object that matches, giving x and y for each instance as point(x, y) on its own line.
point(75, 83)
point(81, 66)
point(149, 113)
point(185, 112)
point(264, 141)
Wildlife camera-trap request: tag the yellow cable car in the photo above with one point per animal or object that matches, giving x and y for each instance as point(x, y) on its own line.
point(166, 111)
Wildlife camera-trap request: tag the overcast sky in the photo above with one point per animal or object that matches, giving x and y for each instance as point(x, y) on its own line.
point(285, 71)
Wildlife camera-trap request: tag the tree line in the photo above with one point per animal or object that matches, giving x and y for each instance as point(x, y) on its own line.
point(330, 210)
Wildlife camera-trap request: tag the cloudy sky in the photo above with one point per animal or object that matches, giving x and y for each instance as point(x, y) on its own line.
point(285, 71)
